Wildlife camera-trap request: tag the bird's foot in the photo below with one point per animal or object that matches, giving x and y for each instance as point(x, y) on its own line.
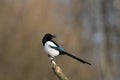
point(52, 58)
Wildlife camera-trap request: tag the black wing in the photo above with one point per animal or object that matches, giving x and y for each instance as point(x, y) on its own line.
point(61, 50)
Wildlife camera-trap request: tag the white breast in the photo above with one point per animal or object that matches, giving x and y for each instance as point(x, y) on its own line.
point(52, 52)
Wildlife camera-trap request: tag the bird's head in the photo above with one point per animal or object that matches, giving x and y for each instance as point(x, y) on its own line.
point(47, 37)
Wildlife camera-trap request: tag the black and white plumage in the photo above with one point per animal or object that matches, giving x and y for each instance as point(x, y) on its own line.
point(53, 49)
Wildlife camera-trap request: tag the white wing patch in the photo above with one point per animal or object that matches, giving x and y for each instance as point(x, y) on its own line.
point(52, 52)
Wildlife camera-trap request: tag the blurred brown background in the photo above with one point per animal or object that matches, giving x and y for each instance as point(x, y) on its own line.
point(89, 29)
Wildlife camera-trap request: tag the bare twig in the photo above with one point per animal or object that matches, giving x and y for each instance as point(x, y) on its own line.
point(58, 71)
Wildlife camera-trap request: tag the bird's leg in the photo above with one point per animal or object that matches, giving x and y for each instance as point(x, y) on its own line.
point(51, 58)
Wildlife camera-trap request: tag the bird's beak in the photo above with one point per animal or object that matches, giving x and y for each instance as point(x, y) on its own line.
point(53, 36)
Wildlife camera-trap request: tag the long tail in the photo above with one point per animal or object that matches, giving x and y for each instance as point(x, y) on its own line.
point(76, 58)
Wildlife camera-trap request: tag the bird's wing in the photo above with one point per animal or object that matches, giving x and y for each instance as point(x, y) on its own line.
point(64, 52)
point(59, 48)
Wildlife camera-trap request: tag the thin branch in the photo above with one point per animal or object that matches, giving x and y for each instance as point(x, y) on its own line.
point(58, 71)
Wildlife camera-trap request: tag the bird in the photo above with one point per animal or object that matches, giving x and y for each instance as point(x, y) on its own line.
point(53, 49)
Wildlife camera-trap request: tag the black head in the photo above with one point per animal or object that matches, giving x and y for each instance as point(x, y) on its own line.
point(47, 37)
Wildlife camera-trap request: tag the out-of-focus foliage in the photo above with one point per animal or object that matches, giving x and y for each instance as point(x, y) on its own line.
point(89, 29)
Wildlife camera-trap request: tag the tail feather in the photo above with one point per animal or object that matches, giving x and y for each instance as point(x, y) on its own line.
point(84, 62)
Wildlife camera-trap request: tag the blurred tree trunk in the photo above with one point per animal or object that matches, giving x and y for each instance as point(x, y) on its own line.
point(106, 31)
point(102, 31)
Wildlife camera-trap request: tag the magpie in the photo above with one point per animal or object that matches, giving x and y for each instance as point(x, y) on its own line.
point(53, 49)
